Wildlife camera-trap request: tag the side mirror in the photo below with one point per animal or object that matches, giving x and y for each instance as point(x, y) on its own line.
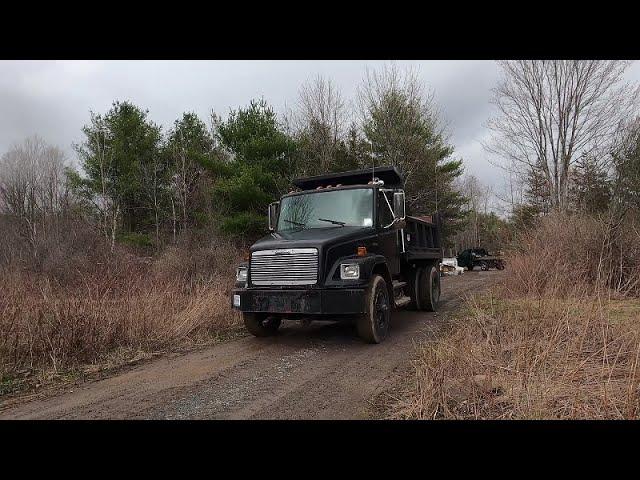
point(273, 215)
point(399, 205)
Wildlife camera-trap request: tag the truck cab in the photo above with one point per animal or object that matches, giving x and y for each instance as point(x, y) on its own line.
point(340, 247)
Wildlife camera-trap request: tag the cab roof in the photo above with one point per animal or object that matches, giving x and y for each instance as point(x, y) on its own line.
point(389, 175)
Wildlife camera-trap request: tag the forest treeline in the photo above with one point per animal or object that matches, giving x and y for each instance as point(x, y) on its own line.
point(140, 183)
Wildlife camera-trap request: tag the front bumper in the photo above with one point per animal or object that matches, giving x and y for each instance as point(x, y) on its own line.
point(300, 301)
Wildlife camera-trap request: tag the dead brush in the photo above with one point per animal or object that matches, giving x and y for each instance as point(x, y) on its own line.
point(124, 304)
point(553, 340)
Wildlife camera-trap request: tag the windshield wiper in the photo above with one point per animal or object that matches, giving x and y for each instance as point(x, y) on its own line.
point(295, 223)
point(335, 222)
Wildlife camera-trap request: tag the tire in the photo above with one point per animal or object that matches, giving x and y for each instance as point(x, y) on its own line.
point(484, 266)
point(425, 289)
point(414, 282)
point(261, 324)
point(373, 325)
point(430, 288)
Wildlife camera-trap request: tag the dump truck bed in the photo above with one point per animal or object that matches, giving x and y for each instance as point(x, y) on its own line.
point(422, 238)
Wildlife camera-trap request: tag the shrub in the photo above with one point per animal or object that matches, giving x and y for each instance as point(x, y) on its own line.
point(558, 337)
point(105, 303)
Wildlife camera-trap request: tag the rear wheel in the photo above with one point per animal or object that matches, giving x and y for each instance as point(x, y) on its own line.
point(261, 324)
point(430, 285)
point(425, 288)
point(484, 266)
point(373, 325)
point(414, 288)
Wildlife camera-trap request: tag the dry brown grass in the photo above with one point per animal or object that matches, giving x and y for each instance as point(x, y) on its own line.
point(559, 338)
point(56, 322)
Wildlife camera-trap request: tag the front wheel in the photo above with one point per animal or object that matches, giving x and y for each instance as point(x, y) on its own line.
point(373, 325)
point(261, 324)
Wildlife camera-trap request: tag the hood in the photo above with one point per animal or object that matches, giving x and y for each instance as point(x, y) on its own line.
point(310, 237)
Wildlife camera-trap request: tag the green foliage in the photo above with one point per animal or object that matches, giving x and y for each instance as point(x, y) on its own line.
point(626, 165)
point(538, 190)
point(590, 190)
point(190, 152)
point(248, 224)
point(229, 176)
point(119, 150)
point(524, 217)
point(249, 189)
point(403, 131)
point(493, 232)
point(255, 138)
point(258, 172)
point(354, 152)
point(190, 139)
point(139, 240)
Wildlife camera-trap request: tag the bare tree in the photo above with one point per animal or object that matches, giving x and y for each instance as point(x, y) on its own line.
point(551, 112)
point(321, 119)
point(477, 198)
point(108, 200)
point(185, 177)
point(32, 187)
point(152, 173)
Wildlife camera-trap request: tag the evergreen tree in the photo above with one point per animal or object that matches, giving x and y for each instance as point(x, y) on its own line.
point(190, 150)
point(590, 189)
point(355, 152)
point(122, 170)
point(626, 169)
point(403, 130)
point(537, 191)
point(258, 171)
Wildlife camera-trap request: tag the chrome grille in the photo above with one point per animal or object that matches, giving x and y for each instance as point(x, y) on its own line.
point(289, 266)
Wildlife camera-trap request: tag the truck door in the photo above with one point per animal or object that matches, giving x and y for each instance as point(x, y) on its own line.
point(389, 238)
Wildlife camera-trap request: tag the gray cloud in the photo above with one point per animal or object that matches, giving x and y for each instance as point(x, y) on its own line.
point(53, 98)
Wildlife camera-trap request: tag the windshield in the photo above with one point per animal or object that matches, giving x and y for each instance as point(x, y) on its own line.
point(352, 208)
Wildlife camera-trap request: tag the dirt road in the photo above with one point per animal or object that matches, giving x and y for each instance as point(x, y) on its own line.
point(322, 371)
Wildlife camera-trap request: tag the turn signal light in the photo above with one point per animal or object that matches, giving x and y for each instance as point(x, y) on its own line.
point(362, 251)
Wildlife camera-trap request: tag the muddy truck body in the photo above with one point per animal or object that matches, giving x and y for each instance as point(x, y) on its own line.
point(341, 248)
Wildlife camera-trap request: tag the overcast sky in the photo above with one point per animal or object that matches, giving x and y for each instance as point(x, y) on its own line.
point(53, 98)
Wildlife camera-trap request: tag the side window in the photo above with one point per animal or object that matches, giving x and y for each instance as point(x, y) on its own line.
point(385, 217)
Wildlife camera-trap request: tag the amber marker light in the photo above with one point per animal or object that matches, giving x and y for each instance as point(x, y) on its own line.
point(362, 251)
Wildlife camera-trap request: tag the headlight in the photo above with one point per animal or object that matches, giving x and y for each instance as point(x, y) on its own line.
point(241, 274)
point(349, 271)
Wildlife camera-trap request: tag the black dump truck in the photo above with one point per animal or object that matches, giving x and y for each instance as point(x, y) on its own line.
point(341, 247)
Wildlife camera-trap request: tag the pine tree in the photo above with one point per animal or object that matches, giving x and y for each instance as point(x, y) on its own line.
point(590, 189)
point(537, 192)
point(190, 150)
point(403, 130)
point(259, 170)
point(122, 169)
